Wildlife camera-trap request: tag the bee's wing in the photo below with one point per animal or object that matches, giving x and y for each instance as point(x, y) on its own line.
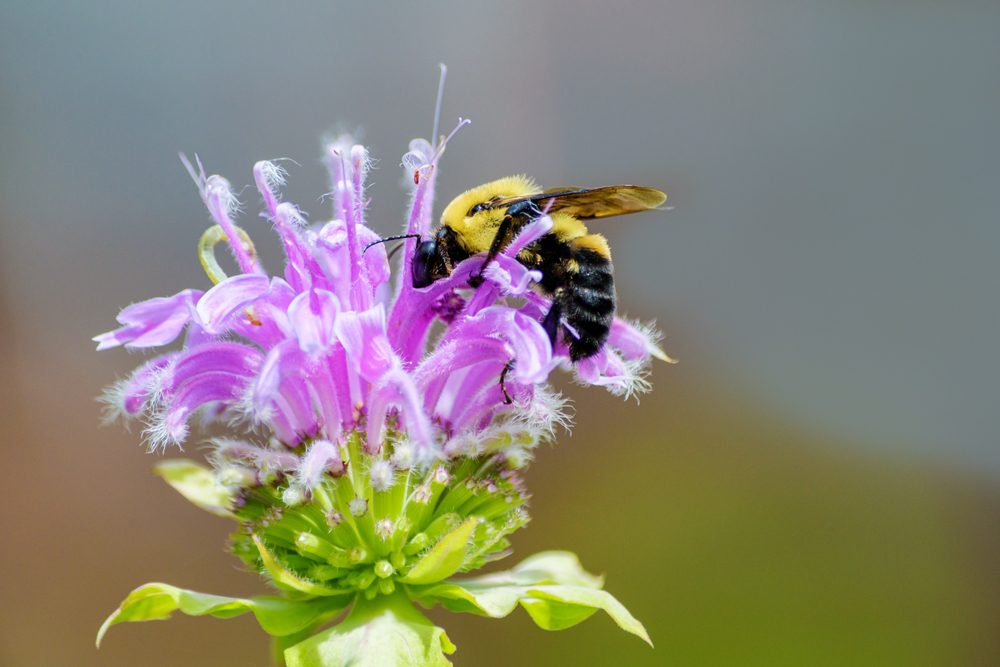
point(587, 203)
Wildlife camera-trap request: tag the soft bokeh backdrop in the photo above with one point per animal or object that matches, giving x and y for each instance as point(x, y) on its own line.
point(818, 481)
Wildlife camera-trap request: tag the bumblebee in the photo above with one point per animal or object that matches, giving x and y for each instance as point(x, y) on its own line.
point(575, 264)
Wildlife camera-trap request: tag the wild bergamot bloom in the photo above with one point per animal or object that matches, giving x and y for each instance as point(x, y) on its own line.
point(371, 453)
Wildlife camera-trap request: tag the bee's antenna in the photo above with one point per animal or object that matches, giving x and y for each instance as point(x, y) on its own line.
point(390, 238)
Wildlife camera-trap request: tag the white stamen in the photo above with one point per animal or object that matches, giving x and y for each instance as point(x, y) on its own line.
point(437, 102)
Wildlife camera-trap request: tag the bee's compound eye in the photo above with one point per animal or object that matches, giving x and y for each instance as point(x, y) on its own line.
point(423, 263)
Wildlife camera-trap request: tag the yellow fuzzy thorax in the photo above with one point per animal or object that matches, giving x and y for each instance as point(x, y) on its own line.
point(476, 232)
point(455, 214)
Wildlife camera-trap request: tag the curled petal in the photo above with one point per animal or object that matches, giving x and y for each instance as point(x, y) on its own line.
point(322, 457)
point(301, 269)
point(129, 397)
point(528, 343)
point(531, 232)
point(420, 154)
point(250, 306)
point(151, 323)
point(233, 359)
point(609, 370)
point(312, 315)
point(264, 458)
point(397, 390)
point(440, 376)
point(281, 386)
point(170, 426)
point(222, 203)
point(636, 342)
point(231, 296)
point(510, 276)
point(330, 248)
point(375, 259)
point(364, 339)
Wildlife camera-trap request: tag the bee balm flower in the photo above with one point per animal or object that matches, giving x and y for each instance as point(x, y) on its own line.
point(369, 456)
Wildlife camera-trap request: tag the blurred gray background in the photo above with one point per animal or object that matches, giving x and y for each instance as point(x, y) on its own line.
point(827, 276)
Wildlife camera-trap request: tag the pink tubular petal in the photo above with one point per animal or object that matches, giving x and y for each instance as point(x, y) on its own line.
point(398, 390)
point(239, 361)
point(268, 176)
point(281, 385)
point(196, 391)
point(510, 276)
point(140, 386)
point(533, 231)
point(220, 201)
point(374, 260)
point(228, 298)
point(265, 458)
point(413, 311)
point(609, 370)
point(322, 457)
point(285, 360)
point(528, 343)
point(250, 306)
point(151, 323)
point(301, 268)
point(635, 343)
point(442, 369)
point(365, 341)
point(480, 397)
point(312, 315)
point(330, 248)
point(331, 399)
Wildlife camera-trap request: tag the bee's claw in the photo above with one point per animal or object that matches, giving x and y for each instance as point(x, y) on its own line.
point(507, 400)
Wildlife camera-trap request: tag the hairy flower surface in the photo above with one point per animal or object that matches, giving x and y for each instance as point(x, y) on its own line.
point(374, 436)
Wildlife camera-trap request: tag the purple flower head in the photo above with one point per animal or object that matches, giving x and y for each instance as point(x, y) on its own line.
point(328, 348)
point(375, 432)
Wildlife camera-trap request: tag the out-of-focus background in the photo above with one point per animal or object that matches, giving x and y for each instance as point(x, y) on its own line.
point(816, 483)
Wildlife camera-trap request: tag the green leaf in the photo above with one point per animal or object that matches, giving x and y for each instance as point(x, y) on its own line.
point(445, 557)
point(385, 631)
point(551, 586)
point(198, 484)
point(277, 616)
point(559, 607)
point(285, 578)
point(546, 567)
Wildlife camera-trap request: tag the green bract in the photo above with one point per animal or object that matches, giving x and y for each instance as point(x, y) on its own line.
point(347, 547)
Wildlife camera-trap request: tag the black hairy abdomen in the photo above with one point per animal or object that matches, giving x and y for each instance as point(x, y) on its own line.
point(582, 282)
point(589, 302)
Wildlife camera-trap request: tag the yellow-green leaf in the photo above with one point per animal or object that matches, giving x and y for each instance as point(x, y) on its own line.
point(198, 484)
point(287, 579)
point(277, 616)
point(445, 557)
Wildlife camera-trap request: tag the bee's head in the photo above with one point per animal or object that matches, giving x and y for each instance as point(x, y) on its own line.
point(424, 260)
point(435, 258)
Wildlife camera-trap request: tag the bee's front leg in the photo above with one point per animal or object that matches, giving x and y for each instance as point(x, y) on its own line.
point(524, 210)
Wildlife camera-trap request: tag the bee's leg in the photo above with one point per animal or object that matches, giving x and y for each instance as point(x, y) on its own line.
point(554, 317)
point(499, 241)
point(525, 210)
point(507, 400)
